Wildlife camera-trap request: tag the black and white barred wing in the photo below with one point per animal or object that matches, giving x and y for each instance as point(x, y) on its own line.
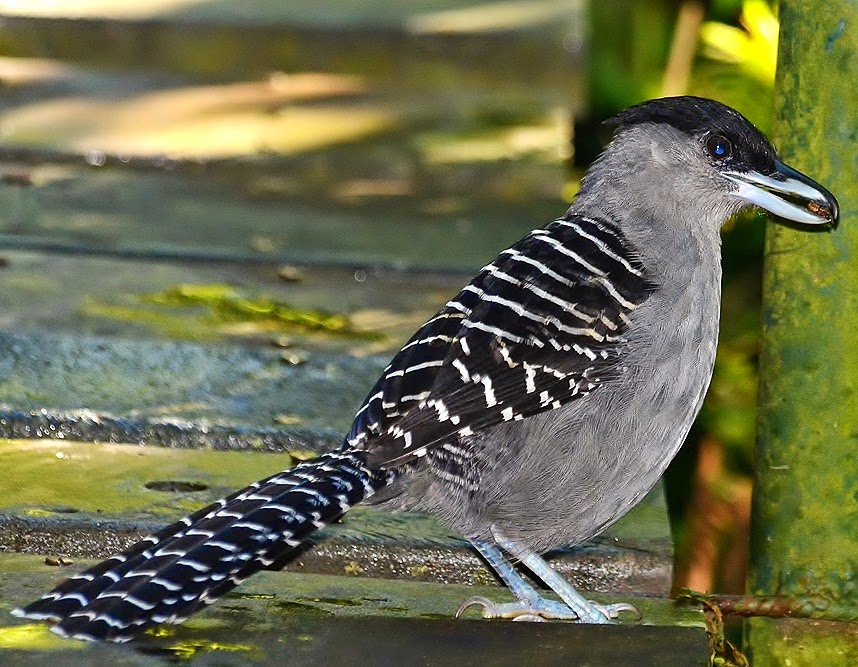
point(540, 326)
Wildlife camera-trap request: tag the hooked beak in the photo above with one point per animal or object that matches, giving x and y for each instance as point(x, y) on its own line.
point(788, 194)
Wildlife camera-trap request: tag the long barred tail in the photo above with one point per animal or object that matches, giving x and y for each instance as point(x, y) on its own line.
point(167, 576)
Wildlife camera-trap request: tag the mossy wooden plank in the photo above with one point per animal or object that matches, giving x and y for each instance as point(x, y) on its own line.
point(314, 619)
point(51, 477)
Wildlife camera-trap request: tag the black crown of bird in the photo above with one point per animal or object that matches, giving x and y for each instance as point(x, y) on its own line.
point(539, 405)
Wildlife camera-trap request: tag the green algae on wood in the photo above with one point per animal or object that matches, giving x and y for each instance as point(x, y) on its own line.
point(49, 478)
point(802, 642)
point(32, 637)
point(804, 522)
point(225, 304)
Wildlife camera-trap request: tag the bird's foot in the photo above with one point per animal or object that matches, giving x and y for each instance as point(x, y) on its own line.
point(541, 610)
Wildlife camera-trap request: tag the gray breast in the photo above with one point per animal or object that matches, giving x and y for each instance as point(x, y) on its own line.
point(563, 476)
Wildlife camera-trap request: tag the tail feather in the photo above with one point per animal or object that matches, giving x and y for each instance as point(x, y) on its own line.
point(72, 593)
point(192, 562)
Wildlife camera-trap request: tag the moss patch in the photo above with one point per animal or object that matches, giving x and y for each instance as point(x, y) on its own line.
point(48, 478)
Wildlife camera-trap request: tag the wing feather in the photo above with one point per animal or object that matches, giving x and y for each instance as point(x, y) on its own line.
point(543, 324)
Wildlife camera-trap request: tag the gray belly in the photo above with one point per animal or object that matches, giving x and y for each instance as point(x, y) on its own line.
point(562, 477)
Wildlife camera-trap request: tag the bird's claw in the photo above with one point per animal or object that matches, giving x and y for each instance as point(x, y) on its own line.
point(531, 618)
point(540, 610)
point(518, 611)
point(477, 600)
point(612, 611)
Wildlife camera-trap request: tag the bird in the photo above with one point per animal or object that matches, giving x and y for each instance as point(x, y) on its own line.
point(536, 408)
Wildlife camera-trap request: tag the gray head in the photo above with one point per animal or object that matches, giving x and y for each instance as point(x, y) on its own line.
point(696, 162)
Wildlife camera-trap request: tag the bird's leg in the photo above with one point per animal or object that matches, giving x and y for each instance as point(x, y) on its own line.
point(584, 610)
point(531, 606)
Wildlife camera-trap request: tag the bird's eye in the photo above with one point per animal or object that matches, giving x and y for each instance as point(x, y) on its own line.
point(718, 147)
